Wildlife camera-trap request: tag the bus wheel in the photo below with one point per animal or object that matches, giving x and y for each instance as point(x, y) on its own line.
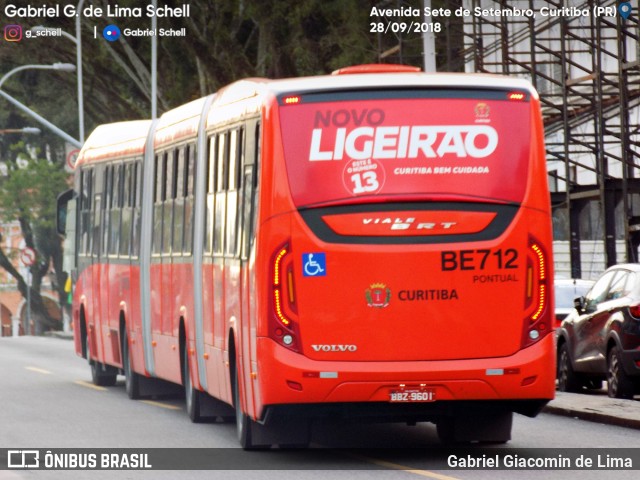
point(101, 375)
point(132, 379)
point(244, 424)
point(568, 380)
point(482, 426)
point(191, 395)
point(619, 385)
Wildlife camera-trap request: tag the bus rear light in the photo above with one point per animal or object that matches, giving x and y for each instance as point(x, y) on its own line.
point(516, 96)
point(292, 100)
point(376, 68)
point(634, 310)
point(537, 295)
point(294, 385)
point(277, 286)
point(542, 271)
point(283, 329)
point(277, 266)
point(541, 299)
point(291, 287)
point(278, 306)
point(528, 381)
point(541, 303)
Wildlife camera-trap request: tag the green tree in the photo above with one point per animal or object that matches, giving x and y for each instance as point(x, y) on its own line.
point(28, 194)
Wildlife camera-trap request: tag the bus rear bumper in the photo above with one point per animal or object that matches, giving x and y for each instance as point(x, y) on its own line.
point(525, 379)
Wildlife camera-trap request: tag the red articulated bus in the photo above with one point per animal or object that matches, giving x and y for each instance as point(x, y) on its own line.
point(369, 245)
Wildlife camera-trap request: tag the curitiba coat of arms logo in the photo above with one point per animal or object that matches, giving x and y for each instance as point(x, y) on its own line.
point(378, 295)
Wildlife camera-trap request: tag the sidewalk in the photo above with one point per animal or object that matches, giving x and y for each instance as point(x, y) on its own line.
point(596, 407)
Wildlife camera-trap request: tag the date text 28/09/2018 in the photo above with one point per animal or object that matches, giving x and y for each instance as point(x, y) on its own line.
point(405, 27)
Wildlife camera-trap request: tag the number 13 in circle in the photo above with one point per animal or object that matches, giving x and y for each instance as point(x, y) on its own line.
point(363, 177)
point(366, 182)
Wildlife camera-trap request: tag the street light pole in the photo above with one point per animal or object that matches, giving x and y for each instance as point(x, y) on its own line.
point(29, 130)
point(79, 69)
point(78, 41)
point(65, 67)
point(428, 44)
point(154, 64)
point(41, 120)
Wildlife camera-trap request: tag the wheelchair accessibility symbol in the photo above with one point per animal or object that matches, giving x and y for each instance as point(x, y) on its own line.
point(314, 264)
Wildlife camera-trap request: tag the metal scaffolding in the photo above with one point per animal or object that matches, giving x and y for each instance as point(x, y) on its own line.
point(587, 71)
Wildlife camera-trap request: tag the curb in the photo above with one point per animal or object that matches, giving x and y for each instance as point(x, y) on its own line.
point(594, 416)
point(61, 335)
point(620, 413)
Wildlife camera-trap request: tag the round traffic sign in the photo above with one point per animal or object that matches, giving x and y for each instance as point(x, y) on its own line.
point(28, 256)
point(72, 156)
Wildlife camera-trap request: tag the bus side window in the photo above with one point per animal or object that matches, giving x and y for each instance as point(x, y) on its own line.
point(189, 189)
point(248, 194)
point(127, 211)
point(251, 157)
point(178, 205)
point(233, 173)
point(136, 202)
point(160, 162)
point(222, 158)
point(115, 209)
point(96, 211)
point(86, 196)
point(169, 195)
point(106, 207)
point(211, 188)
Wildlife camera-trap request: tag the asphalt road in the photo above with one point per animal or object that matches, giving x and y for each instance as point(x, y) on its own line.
point(47, 401)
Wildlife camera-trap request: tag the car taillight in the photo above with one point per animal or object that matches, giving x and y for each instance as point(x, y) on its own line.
point(537, 324)
point(634, 310)
point(283, 328)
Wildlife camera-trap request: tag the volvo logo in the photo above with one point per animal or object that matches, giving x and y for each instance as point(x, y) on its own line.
point(334, 348)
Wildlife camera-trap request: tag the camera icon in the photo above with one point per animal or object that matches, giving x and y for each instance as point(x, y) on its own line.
point(13, 33)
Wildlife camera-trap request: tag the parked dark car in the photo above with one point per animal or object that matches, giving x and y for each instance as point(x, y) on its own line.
point(566, 290)
point(600, 339)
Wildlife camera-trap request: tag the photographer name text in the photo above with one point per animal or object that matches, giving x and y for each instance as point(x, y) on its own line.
point(91, 11)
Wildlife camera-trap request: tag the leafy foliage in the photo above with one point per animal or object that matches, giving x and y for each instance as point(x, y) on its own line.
point(28, 194)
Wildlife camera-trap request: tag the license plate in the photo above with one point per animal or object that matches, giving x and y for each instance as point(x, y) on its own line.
point(411, 396)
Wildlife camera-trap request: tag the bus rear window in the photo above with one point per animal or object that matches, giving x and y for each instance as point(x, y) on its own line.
point(341, 148)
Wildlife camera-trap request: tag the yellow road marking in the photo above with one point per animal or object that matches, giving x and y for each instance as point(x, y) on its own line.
point(161, 405)
point(89, 385)
point(38, 370)
point(396, 466)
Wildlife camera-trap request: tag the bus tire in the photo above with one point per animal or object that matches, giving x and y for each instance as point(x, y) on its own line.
point(619, 385)
point(192, 397)
point(244, 424)
point(101, 375)
point(131, 378)
point(489, 427)
point(568, 380)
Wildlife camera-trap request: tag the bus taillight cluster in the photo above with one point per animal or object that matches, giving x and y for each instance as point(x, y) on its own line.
point(538, 322)
point(284, 329)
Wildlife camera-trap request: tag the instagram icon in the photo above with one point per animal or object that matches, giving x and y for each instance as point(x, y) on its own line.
point(13, 33)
